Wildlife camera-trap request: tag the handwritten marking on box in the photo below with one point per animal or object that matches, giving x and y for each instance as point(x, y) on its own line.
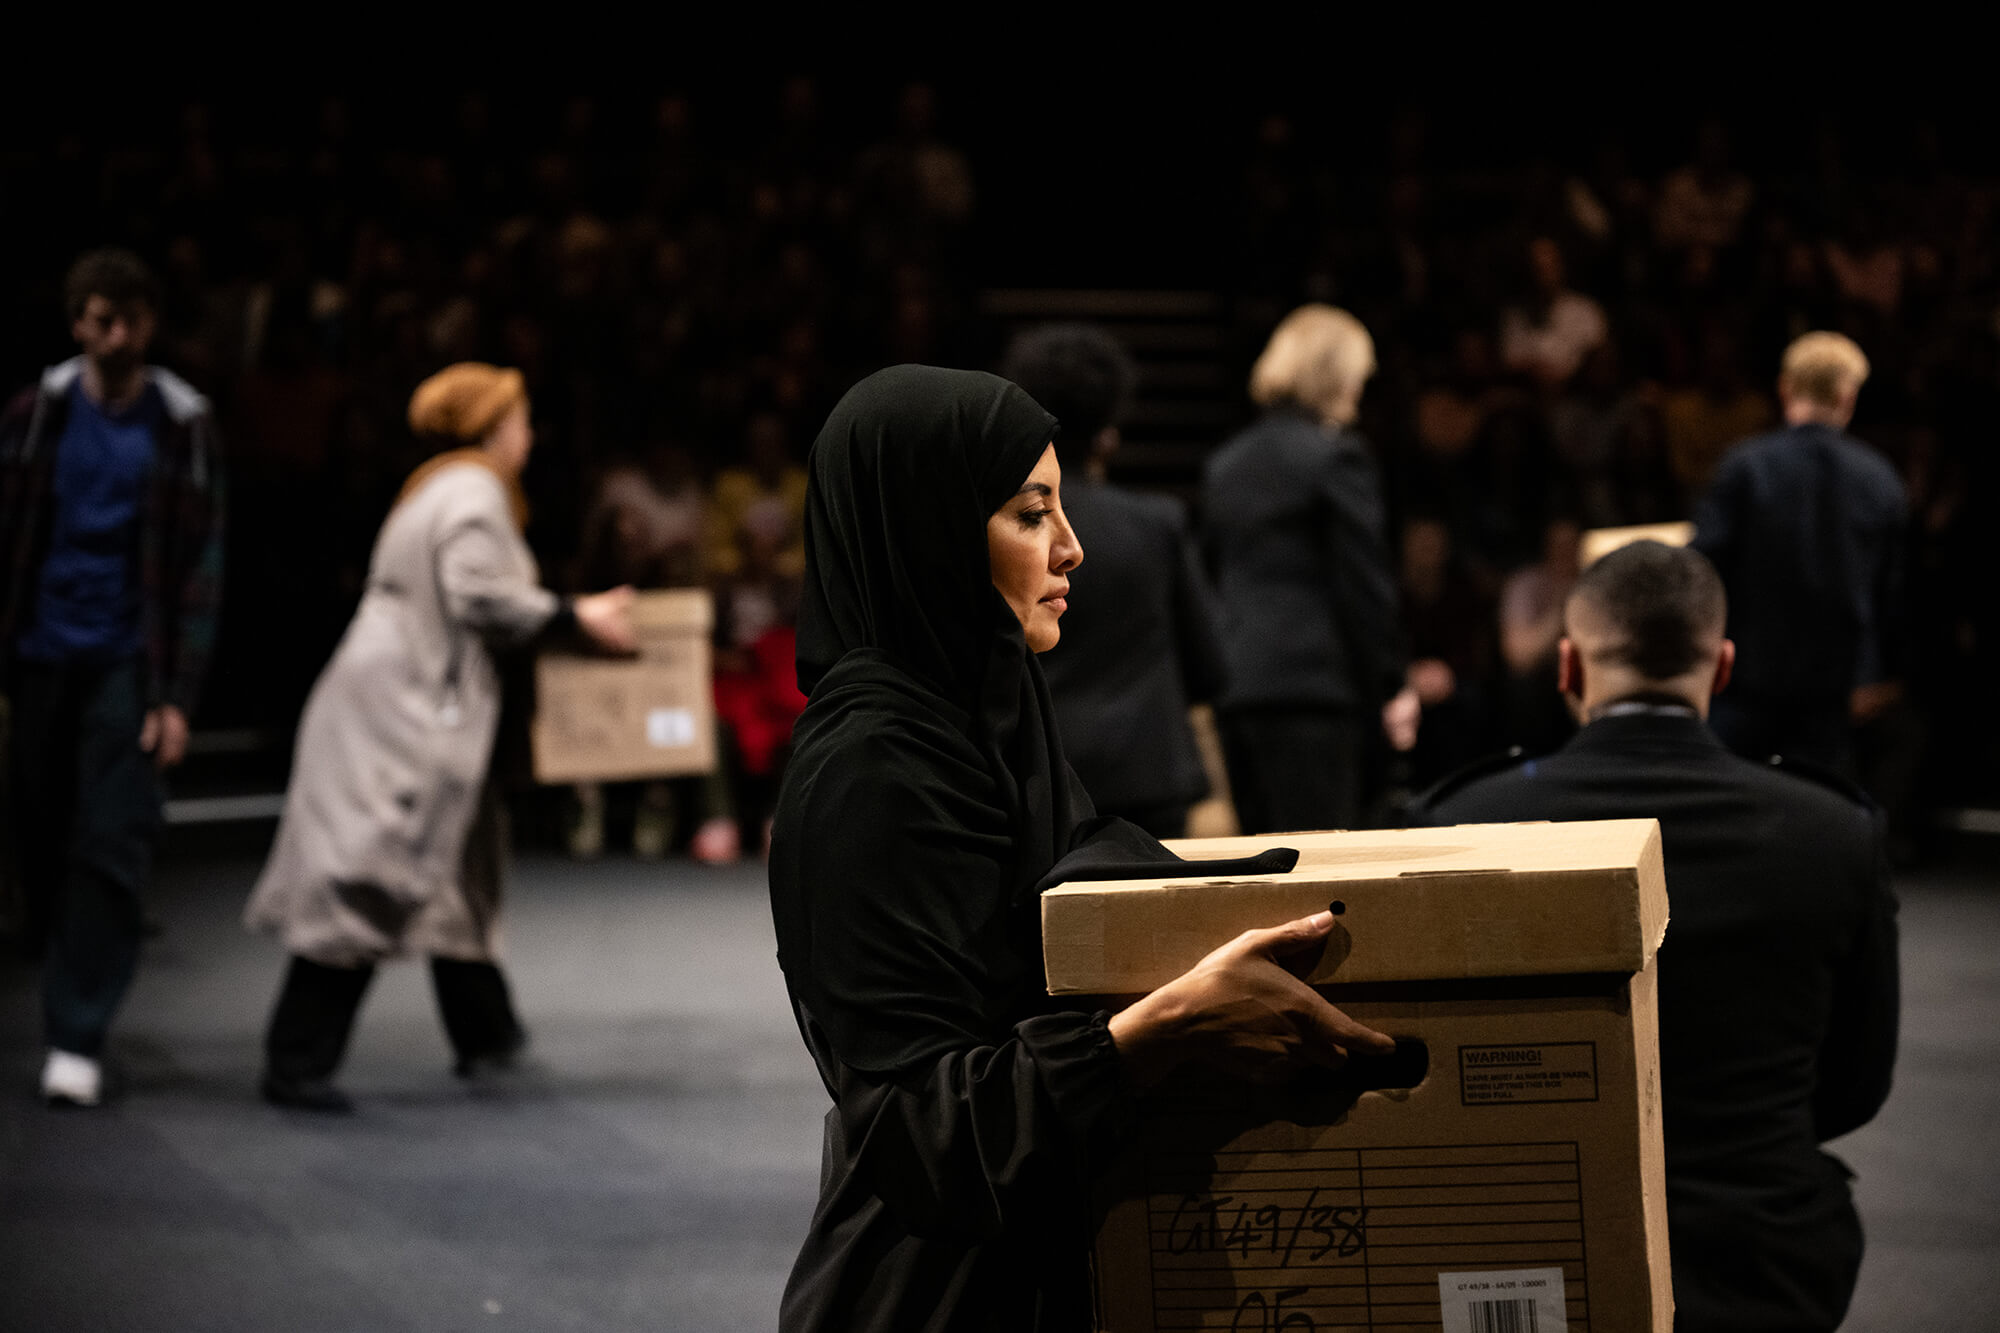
point(1350, 1238)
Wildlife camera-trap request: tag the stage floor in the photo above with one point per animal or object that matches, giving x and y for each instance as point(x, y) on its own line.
point(655, 1165)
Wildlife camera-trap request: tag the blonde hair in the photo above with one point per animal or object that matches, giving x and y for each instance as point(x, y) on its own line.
point(1824, 368)
point(1319, 357)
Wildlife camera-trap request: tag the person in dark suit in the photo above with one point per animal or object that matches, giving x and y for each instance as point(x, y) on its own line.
point(1294, 531)
point(1778, 977)
point(1806, 527)
point(1139, 643)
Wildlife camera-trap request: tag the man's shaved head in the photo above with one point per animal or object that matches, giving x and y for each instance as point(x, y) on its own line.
point(1655, 610)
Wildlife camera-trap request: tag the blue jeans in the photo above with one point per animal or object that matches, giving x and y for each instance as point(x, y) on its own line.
point(87, 811)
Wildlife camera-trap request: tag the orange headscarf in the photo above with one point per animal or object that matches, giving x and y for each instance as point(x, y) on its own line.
point(461, 403)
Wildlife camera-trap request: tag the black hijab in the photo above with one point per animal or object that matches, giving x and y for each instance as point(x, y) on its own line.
point(927, 792)
point(927, 801)
point(902, 480)
point(903, 477)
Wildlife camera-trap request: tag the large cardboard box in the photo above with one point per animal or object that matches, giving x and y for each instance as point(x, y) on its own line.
point(1502, 1173)
point(608, 719)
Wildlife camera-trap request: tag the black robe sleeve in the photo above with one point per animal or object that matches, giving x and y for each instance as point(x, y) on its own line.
point(988, 1141)
point(963, 1103)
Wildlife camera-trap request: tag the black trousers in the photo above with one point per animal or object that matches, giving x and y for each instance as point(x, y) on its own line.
point(315, 1014)
point(1293, 770)
point(86, 813)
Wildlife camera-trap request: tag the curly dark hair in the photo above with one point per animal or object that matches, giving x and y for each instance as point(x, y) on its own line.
point(1080, 373)
point(1665, 603)
point(117, 275)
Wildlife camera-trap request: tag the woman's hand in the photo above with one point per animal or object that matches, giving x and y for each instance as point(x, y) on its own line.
point(606, 620)
point(1243, 1012)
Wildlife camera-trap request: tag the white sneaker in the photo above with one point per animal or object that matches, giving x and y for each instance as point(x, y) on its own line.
point(75, 1079)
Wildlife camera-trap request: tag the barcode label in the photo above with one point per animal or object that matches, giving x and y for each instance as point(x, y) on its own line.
point(1501, 1317)
point(1520, 1300)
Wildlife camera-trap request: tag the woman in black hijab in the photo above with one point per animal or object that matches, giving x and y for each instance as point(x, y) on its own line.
point(926, 805)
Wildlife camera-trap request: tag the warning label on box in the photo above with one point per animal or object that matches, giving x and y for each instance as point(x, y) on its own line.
point(1557, 1071)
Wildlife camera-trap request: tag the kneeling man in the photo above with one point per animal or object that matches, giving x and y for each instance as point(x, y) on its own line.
point(1778, 978)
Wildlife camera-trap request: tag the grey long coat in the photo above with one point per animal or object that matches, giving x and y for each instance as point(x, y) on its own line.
point(391, 841)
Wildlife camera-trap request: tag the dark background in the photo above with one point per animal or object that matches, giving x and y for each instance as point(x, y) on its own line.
point(328, 242)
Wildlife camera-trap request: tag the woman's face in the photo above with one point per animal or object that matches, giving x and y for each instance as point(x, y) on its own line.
point(511, 438)
point(1032, 548)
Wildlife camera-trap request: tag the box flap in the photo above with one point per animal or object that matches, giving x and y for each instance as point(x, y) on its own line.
point(1476, 900)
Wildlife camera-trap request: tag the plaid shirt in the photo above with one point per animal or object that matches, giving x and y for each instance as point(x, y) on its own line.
point(180, 525)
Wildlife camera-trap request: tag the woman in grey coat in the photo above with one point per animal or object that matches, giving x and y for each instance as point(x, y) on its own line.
point(392, 841)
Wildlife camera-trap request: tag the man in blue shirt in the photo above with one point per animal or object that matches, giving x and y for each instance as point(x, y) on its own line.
point(110, 550)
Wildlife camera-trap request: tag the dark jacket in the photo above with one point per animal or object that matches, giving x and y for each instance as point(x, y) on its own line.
point(1293, 530)
point(1138, 646)
point(1806, 527)
point(180, 525)
point(1778, 1001)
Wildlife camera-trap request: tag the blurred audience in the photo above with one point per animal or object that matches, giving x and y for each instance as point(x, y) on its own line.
point(1700, 271)
point(1451, 621)
point(757, 697)
point(767, 482)
point(1548, 336)
point(1531, 610)
point(1579, 328)
point(655, 274)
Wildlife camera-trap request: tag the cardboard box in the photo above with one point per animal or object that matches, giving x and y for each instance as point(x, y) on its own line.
point(1508, 1159)
point(1597, 543)
point(610, 719)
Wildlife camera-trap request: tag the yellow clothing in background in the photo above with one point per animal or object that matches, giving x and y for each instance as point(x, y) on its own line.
point(736, 491)
point(1700, 428)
